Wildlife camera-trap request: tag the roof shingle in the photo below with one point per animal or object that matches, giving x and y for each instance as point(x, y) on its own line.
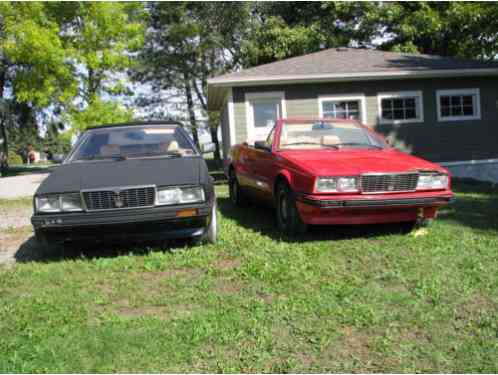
point(355, 60)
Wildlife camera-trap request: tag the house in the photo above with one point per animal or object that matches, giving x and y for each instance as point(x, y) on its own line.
point(440, 108)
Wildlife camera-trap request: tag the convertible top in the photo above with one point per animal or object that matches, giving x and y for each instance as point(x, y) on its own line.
point(136, 123)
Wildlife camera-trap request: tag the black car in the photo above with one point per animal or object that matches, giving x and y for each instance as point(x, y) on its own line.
point(128, 181)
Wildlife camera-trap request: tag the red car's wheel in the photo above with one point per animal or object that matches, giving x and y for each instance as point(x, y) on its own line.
point(288, 219)
point(234, 190)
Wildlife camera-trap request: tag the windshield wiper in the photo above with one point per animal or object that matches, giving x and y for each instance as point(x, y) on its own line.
point(357, 144)
point(310, 143)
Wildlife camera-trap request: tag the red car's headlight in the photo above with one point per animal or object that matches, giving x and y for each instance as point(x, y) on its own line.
point(432, 181)
point(336, 184)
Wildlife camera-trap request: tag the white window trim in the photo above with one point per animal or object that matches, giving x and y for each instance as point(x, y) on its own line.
point(248, 97)
point(348, 97)
point(473, 91)
point(231, 119)
point(400, 94)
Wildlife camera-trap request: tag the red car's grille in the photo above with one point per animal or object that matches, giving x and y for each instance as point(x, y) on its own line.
point(119, 198)
point(388, 183)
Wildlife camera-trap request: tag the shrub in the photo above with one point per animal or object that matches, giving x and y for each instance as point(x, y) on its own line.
point(14, 159)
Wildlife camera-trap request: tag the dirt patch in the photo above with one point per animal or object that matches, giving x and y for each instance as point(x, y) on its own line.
point(474, 309)
point(228, 286)
point(227, 264)
point(138, 312)
point(13, 240)
point(15, 217)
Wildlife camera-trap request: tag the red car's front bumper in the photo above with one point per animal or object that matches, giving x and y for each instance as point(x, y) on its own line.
point(372, 208)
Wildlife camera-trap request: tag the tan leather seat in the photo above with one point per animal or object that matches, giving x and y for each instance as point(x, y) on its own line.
point(110, 150)
point(330, 140)
point(173, 147)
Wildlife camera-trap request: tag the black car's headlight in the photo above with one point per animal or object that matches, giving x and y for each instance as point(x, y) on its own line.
point(336, 184)
point(180, 195)
point(70, 202)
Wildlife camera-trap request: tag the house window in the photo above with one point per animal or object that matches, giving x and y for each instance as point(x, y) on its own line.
point(458, 105)
point(262, 112)
point(345, 107)
point(400, 107)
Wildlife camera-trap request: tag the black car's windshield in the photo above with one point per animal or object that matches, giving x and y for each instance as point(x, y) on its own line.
point(133, 142)
point(325, 134)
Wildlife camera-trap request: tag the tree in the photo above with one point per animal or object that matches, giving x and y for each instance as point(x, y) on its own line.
point(287, 29)
point(33, 69)
point(188, 42)
point(101, 38)
point(458, 29)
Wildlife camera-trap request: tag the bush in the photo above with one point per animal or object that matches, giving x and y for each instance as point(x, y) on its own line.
point(14, 159)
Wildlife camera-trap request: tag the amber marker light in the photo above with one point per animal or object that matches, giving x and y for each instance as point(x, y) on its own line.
point(186, 213)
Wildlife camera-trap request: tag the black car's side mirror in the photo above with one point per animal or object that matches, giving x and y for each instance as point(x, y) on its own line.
point(262, 145)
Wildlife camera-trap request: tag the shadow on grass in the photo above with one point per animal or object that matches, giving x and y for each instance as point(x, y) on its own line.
point(261, 219)
point(476, 205)
point(31, 251)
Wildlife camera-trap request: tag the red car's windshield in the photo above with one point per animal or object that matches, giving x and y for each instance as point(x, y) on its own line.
point(326, 134)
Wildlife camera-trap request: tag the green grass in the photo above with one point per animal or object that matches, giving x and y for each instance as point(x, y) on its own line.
point(354, 299)
point(23, 169)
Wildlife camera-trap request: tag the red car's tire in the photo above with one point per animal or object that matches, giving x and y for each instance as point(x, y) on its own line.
point(234, 190)
point(288, 219)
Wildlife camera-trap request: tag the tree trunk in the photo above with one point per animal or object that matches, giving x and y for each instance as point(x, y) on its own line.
point(212, 129)
point(191, 110)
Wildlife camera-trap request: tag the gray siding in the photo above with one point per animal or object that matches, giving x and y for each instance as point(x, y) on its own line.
point(437, 141)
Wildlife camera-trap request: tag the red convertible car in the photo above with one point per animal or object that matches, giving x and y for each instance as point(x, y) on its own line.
point(334, 171)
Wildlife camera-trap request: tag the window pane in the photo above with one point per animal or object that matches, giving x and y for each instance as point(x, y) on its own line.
point(353, 106)
point(445, 111)
point(410, 103)
point(388, 115)
point(328, 107)
point(456, 100)
point(467, 100)
point(328, 114)
point(468, 110)
point(398, 114)
point(386, 104)
point(341, 114)
point(410, 113)
point(340, 106)
point(265, 114)
point(354, 115)
point(456, 111)
point(398, 103)
point(445, 101)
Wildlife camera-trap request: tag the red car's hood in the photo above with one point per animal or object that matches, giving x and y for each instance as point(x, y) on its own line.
point(355, 162)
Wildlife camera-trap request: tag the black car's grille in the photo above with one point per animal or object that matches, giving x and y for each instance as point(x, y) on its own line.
point(388, 183)
point(119, 198)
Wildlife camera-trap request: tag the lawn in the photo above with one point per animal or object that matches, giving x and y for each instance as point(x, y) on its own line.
point(354, 299)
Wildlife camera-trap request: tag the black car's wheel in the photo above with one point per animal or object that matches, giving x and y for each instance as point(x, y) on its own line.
point(234, 190)
point(46, 249)
point(288, 219)
point(211, 233)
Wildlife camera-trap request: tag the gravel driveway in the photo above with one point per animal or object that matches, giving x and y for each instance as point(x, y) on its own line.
point(16, 236)
point(20, 186)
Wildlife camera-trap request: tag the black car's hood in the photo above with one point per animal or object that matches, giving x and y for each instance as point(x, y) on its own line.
point(132, 172)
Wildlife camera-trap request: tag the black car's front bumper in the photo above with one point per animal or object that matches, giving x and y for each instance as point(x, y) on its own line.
point(162, 222)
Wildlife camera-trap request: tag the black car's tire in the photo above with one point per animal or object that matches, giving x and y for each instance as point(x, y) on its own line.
point(288, 219)
point(234, 190)
point(210, 235)
point(46, 249)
